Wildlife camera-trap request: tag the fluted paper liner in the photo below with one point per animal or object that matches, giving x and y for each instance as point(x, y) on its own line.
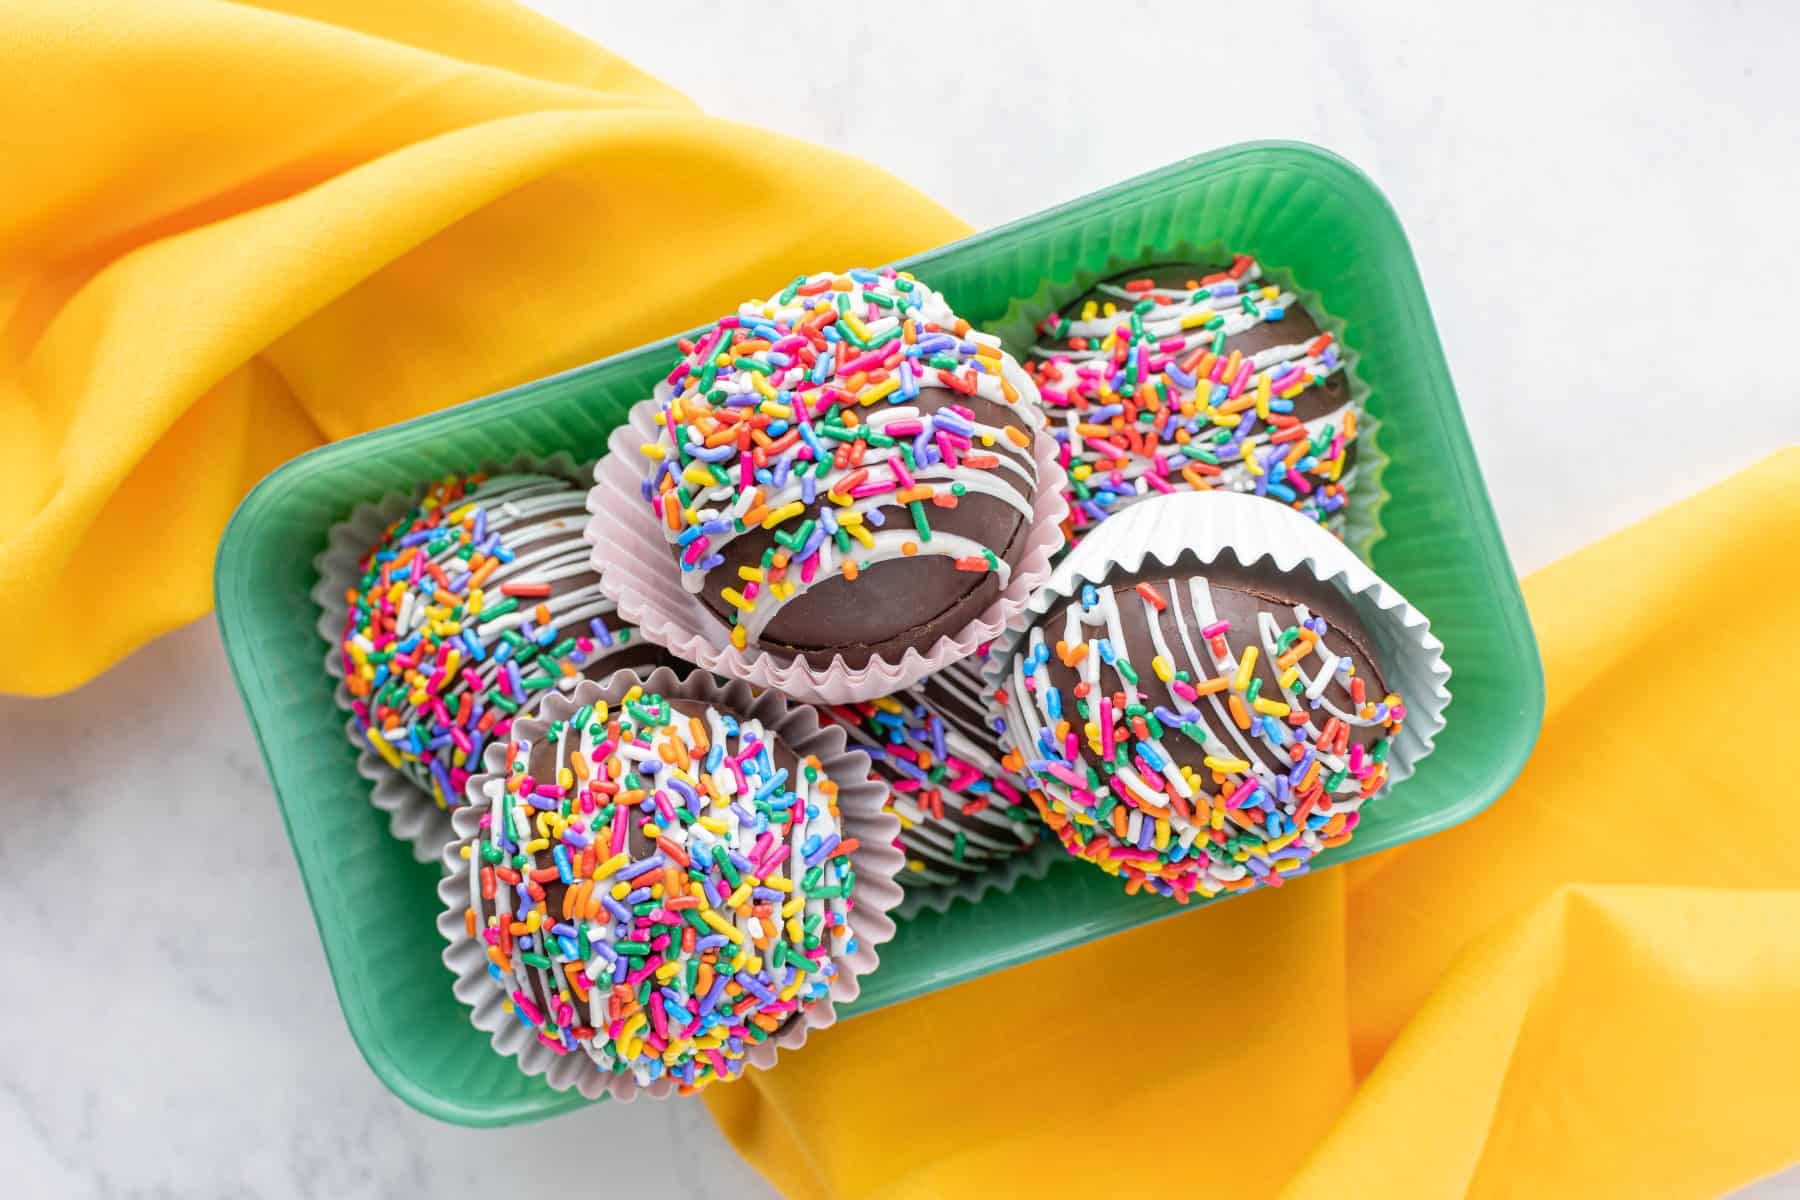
point(1030, 862)
point(1188, 530)
point(638, 570)
point(413, 814)
point(797, 726)
point(1017, 331)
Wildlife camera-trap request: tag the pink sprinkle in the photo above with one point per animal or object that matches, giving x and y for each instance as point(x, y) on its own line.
point(461, 739)
point(1156, 481)
point(696, 549)
point(657, 1018)
point(907, 428)
point(1244, 376)
point(1215, 629)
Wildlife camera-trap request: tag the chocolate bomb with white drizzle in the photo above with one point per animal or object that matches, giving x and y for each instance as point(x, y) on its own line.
point(961, 810)
point(1197, 732)
point(845, 470)
point(474, 603)
point(1187, 376)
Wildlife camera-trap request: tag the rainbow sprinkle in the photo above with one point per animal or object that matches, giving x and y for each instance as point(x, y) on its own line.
point(1145, 396)
point(1221, 765)
point(474, 603)
point(813, 416)
point(667, 890)
point(960, 810)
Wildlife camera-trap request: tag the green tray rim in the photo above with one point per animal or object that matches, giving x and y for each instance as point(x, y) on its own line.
point(236, 628)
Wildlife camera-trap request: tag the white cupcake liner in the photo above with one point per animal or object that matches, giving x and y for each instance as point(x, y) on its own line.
point(860, 801)
point(639, 572)
point(414, 816)
point(1188, 530)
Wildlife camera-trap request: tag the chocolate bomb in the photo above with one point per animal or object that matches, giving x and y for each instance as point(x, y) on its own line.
point(643, 833)
point(475, 603)
point(1194, 377)
point(961, 811)
point(845, 470)
point(1203, 732)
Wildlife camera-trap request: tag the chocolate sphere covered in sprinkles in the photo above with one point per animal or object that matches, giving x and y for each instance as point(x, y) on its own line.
point(1188, 377)
point(845, 470)
point(660, 883)
point(474, 603)
point(939, 753)
point(1199, 733)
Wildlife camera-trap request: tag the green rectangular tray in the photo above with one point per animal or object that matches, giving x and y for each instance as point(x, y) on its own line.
point(1296, 207)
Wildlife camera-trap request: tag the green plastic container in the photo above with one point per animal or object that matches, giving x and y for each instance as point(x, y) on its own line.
point(1299, 209)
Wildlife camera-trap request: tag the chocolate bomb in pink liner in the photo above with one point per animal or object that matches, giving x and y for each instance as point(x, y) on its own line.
point(846, 470)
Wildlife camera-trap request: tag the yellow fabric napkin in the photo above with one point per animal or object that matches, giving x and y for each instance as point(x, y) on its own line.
point(240, 231)
point(1593, 989)
point(230, 233)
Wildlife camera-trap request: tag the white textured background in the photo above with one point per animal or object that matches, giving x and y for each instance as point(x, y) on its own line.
point(1602, 201)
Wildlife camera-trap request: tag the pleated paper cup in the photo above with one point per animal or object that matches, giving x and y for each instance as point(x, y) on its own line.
point(638, 570)
point(1360, 523)
point(404, 793)
point(1188, 531)
point(798, 726)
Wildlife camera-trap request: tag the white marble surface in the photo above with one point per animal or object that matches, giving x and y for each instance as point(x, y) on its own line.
point(1589, 188)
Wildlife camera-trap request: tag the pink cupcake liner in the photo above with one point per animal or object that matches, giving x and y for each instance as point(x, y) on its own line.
point(638, 570)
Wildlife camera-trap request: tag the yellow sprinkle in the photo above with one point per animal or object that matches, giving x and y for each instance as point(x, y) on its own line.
point(738, 897)
point(1195, 320)
point(654, 450)
point(1165, 670)
point(779, 883)
point(736, 599)
point(1270, 708)
point(714, 825)
point(606, 869)
point(1226, 765)
point(721, 925)
point(739, 638)
point(777, 516)
point(1288, 676)
point(1246, 669)
point(750, 574)
point(880, 391)
point(698, 475)
point(793, 906)
point(537, 845)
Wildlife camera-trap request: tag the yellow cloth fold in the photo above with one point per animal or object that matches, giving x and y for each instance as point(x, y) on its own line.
point(230, 233)
point(1593, 989)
